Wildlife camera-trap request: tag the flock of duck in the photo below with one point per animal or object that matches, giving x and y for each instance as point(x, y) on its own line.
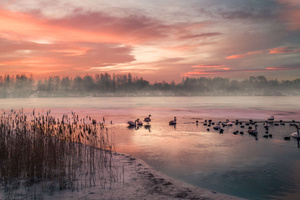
point(220, 125)
point(253, 131)
point(137, 122)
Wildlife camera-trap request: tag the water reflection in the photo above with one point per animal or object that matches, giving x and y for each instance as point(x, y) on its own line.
point(147, 127)
point(235, 164)
point(133, 127)
point(173, 125)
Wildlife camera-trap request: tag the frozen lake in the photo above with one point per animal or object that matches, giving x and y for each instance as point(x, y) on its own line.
point(233, 164)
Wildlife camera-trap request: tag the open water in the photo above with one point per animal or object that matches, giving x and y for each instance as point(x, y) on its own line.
point(239, 165)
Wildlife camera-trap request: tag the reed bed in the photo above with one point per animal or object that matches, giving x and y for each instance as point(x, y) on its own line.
point(42, 154)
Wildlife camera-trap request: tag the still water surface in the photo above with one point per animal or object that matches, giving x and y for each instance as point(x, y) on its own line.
point(233, 164)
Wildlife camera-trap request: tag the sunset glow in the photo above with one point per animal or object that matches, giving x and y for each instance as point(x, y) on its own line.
point(160, 41)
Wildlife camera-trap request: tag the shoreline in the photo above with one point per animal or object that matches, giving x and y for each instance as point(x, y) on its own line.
point(141, 181)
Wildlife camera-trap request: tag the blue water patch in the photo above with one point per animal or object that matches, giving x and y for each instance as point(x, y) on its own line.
point(266, 182)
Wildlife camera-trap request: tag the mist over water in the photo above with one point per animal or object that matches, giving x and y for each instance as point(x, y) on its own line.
point(187, 106)
point(121, 85)
point(232, 164)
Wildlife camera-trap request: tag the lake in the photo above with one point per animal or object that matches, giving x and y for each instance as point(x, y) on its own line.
point(239, 165)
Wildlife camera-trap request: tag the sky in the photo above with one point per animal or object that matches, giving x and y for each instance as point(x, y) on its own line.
point(159, 40)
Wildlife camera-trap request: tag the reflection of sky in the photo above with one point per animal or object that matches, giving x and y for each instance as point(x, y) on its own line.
point(159, 40)
point(118, 108)
point(232, 164)
point(222, 162)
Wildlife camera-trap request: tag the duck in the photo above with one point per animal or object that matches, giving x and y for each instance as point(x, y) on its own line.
point(173, 122)
point(287, 138)
point(296, 134)
point(131, 123)
point(217, 127)
point(271, 118)
point(253, 132)
point(139, 123)
point(266, 124)
point(229, 124)
point(147, 119)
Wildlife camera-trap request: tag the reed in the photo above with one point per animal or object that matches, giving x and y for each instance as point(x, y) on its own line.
point(42, 154)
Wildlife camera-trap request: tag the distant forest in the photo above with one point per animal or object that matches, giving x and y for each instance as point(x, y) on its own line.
point(126, 85)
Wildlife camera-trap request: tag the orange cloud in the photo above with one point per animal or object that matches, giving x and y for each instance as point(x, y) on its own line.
point(208, 66)
point(222, 69)
point(206, 70)
point(280, 50)
point(190, 74)
point(244, 55)
point(236, 56)
point(277, 50)
point(199, 68)
point(274, 68)
point(293, 66)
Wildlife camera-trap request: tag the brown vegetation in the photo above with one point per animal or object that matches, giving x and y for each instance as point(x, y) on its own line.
point(41, 153)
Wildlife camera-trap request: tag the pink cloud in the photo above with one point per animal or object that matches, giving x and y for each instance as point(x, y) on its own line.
point(22, 26)
point(85, 27)
point(85, 42)
point(95, 27)
point(130, 29)
point(61, 58)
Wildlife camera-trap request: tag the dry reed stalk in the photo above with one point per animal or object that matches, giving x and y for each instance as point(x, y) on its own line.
point(57, 153)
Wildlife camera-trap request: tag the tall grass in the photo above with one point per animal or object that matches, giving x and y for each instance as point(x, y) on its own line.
point(42, 154)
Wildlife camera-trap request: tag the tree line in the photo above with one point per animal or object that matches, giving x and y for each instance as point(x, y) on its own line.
point(126, 85)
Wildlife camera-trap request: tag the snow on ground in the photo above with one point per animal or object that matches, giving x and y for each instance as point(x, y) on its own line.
point(140, 181)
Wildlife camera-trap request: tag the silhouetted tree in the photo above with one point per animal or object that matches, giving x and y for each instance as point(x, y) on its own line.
point(120, 84)
point(65, 84)
point(88, 83)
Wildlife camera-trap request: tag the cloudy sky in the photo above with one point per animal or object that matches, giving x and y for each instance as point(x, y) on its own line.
point(158, 40)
